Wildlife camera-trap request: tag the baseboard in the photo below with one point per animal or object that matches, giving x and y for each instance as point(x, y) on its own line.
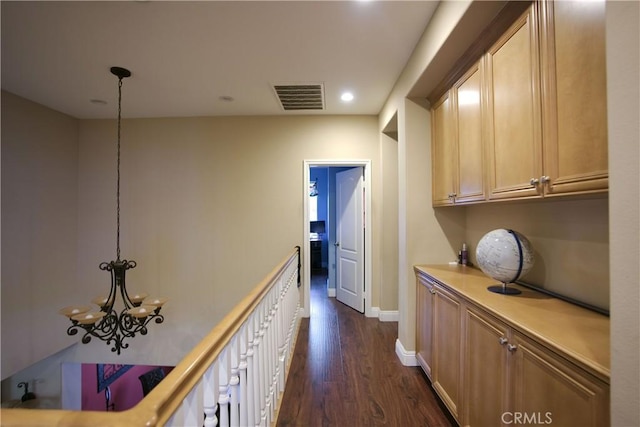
point(388, 315)
point(384, 315)
point(407, 358)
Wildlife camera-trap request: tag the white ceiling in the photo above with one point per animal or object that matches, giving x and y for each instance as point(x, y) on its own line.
point(185, 55)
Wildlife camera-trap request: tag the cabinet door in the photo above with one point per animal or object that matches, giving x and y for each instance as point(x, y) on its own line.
point(424, 325)
point(470, 177)
point(574, 96)
point(552, 391)
point(446, 348)
point(513, 111)
point(442, 152)
point(485, 369)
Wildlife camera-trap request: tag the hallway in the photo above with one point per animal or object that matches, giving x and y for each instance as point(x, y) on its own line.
point(345, 372)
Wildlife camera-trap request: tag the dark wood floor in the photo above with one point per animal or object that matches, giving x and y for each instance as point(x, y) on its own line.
point(345, 372)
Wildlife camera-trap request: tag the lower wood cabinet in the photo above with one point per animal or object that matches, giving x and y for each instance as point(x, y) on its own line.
point(485, 369)
point(489, 371)
point(546, 386)
point(438, 341)
point(445, 372)
point(424, 325)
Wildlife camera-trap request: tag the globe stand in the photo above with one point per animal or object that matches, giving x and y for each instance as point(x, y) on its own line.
point(503, 289)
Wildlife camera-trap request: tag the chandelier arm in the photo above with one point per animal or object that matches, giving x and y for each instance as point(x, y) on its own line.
point(105, 330)
point(159, 318)
point(122, 267)
point(108, 266)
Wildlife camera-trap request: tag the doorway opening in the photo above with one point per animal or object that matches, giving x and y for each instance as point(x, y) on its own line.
point(325, 256)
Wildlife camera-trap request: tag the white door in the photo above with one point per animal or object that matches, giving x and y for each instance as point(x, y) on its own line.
point(350, 238)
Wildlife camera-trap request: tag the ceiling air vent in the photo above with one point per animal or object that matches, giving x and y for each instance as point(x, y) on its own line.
point(298, 97)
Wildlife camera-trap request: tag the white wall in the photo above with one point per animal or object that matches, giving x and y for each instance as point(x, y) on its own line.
point(570, 239)
point(208, 207)
point(39, 230)
point(423, 236)
point(623, 92)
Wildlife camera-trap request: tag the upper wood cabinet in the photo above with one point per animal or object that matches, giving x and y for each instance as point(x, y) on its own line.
point(469, 153)
point(513, 115)
point(442, 151)
point(458, 151)
point(539, 127)
point(574, 96)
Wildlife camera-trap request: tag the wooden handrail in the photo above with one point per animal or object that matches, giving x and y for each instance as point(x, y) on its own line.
point(166, 398)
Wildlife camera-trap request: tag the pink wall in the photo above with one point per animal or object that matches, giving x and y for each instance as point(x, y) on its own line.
point(126, 391)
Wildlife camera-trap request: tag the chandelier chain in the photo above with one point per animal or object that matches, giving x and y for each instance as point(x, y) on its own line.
point(118, 169)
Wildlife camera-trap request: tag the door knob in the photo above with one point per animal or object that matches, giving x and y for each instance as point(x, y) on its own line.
point(336, 244)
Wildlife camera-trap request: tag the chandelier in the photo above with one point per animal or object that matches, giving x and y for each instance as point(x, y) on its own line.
point(107, 324)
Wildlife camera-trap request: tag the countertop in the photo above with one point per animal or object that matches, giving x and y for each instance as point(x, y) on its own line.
point(577, 333)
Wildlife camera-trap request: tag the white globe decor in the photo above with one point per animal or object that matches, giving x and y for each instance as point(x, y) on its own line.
point(504, 255)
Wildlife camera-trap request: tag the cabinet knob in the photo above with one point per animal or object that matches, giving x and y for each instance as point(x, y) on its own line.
point(512, 347)
point(534, 181)
point(433, 291)
point(544, 179)
point(503, 340)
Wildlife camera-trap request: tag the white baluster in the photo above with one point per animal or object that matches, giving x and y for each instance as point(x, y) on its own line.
point(234, 382)
point(192, 408)
point(263, 364)
point(282, 333)
point(223, 387)
point(251, 373)
point(269, 359)
point(210, 395)
point(176, 419)
point(274, 352)
point(242, 370)
point(276, 346)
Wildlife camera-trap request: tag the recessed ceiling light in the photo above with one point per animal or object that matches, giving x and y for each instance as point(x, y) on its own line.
point(347, 97)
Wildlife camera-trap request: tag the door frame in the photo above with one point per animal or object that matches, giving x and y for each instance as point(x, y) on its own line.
point(306, 264)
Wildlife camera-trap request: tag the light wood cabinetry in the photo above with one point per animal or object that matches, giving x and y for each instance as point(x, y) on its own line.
point(424, 324)
point(445, 372)
point(540, 128)
point(514, 143)
point(574, 94)
point(547, 387)
point(485, 373)
point(527, 359)
point(438, 340)
point(442, 151)
point(469, 170)
point(458, 150)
